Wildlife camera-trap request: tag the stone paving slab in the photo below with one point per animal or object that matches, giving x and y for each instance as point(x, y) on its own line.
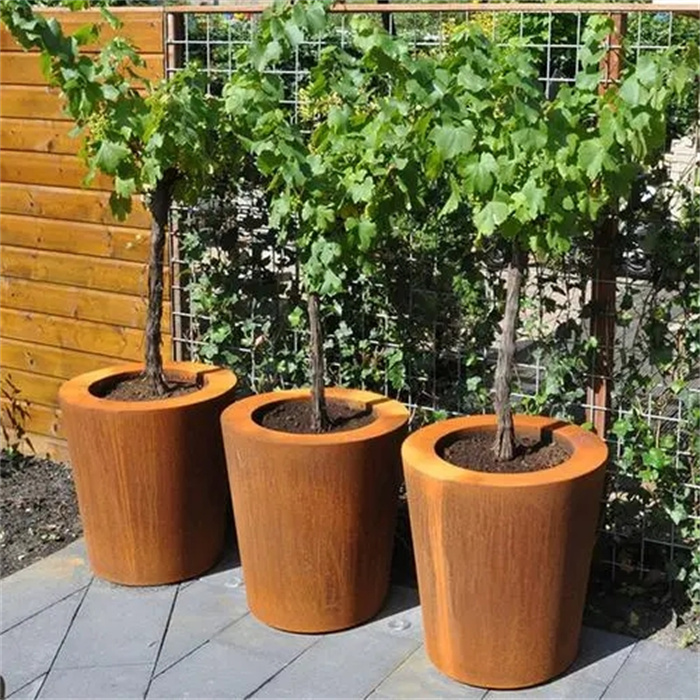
point(121, 681)
point(601, 655)
point(95, 639)
point(28, 649)
point(227, 573)
point(418, 678)
point(565, 687)
point(252, 636)
point(200, 612)
point(342, 665)
point(214, 671)
point(400, 615)
point(40, 585)
point(30, 690)
point(117, 626)
point(653, 671)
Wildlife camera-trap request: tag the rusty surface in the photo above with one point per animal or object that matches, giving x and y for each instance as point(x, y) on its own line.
point(315, 514)
point(503, 559)
point(150, 476)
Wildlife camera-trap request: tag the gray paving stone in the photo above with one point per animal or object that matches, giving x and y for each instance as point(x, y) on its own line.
point(28, 649)
point(417, 677)
point(97, 682)
point(564, 687)
point(116, 626)
point(227, 572)
point(601, 654)
point(250, 635)
point(343, 665)
point(214, 671)
point(200, 612)
point(30, 690)
point(400, 615)
point(30, 590)
point(653, 671)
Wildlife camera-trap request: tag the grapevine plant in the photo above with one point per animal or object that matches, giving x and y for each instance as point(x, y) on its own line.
point(336, 181)
point(537, 173)
point(154, 139)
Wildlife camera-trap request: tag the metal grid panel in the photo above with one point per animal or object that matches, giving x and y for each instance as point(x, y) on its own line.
point(212, 39)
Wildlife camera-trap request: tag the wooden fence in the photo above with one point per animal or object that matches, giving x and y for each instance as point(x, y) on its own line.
point(72, 278)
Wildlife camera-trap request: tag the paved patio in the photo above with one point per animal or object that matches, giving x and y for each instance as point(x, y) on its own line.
point(66, 634)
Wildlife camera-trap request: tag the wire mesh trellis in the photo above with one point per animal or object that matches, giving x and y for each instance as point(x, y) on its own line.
point(232, 240)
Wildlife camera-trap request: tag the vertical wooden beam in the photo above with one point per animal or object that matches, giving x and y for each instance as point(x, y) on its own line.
point(173, 58)
point(604, 284)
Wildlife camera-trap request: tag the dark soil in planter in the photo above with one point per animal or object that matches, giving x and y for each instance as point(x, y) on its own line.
point(295, 416)
point(139, 389)
point(473, 451)
point(38, 508)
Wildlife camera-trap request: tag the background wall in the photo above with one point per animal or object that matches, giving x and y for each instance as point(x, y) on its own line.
point(72, 278)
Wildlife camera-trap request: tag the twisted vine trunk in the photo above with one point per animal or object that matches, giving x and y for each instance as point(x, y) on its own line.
point(504, 444)
point(159, 206)
point(319, 412)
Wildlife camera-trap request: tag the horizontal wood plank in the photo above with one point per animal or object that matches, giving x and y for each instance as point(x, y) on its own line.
point(96, 240)
point(73, 302)
point(51, 361)
point(50, 447)
point(34, 388)
point(76, 270)
point(48, 169)
point(67, 205)
point(44, 420)
point(32, 102)
point(24, 68)
point(144, 28)
point(72, 334)
point(39, 135)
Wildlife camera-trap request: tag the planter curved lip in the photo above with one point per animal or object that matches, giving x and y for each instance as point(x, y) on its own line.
point(389, 415)
point(216, 381)
point(589, 452)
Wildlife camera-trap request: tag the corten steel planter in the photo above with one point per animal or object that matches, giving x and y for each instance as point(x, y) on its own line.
point(503, 559)
point(315, 513)
point(150, 475)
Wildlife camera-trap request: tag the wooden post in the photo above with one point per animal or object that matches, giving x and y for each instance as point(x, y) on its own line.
point(173, 59)
point(603, 291)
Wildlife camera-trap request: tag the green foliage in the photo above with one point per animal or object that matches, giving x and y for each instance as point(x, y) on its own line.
point(542, 172)
point(421, 325)
point(334, 184)
point(131, 129)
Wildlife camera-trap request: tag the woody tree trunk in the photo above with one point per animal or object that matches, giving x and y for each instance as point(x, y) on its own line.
point(159, 206)
point(319, 414)
point(504, 444)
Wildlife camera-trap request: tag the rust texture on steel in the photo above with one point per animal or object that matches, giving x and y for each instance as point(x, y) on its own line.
point(153, 498)
point(503, 559)
point(315, 513)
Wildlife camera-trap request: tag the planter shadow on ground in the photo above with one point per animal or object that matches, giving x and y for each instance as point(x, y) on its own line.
point(230, 558)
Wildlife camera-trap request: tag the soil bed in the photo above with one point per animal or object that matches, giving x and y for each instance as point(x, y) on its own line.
point(139, 389)
point(473, 451)
point(38, 508)
point(295, 416)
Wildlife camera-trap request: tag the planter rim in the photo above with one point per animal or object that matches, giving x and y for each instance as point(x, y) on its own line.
point(389, 415)
point(589, 452)
point(216, 382)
